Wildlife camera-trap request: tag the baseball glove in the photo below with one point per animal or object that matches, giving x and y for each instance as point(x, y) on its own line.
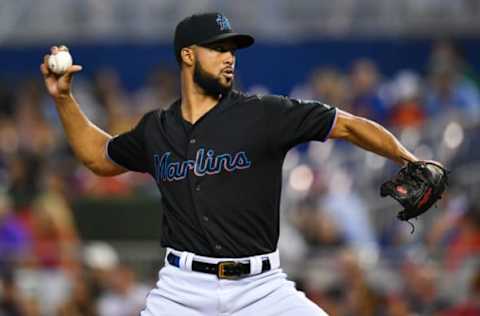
point(417, 186)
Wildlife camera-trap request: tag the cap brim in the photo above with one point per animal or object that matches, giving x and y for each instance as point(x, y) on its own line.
point(241, 40)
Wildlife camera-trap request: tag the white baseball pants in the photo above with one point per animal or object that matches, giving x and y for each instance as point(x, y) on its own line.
point(182, 292)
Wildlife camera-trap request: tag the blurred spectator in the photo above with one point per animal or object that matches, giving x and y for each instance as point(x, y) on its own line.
point(447, 52)
point(9, 140)
point(360, 298)
point(100, 260)
point(24, 179)
point(124, 296)
point(12, 302)
point(46, 277)
point(332, 300)
point(421, 286)
point(464, 240)
point(14, 239)
point(449, 89)
point(161, 89)
point(471, 304)
point(114, 101)
point(81, 302)
point(444, 225)
point(349, 211)
point(6, 100)
point(326, 85)
point(364, 81)
point(30, 120)
point(407, 109)
point(54, 232)
point(317, 226)
point(398, 306)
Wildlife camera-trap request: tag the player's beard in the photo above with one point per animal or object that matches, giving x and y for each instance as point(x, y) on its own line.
point(210, 85)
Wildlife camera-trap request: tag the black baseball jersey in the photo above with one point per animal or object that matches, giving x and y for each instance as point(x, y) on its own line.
point(220, 178)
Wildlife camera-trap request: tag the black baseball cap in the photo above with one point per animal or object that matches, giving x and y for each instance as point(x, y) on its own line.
point(207, 28)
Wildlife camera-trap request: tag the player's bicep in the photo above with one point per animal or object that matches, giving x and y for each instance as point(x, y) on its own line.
point(109, 168)
point(100, 163)
point(343, 124)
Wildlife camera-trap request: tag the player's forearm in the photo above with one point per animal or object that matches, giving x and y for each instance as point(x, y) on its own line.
point(375, 138)
point(372, 137)
point(86, 139)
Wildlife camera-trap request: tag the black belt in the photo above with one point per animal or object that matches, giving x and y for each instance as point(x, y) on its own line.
point(223, 270)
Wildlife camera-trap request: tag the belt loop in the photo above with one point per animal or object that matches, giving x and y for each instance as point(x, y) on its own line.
point(182, 262)
point(274, 260)
point(188, 261)
point(166, 258)
point(255, 265)
point(169, 251)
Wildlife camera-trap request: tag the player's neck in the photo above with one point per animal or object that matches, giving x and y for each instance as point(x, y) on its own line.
point(195, 103)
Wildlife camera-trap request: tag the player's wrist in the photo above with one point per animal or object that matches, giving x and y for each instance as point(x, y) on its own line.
point(63, 97)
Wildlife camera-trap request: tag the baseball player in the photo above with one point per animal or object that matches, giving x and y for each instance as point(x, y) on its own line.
point(216, 156)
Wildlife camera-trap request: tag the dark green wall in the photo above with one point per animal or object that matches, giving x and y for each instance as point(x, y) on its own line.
point(118, 219)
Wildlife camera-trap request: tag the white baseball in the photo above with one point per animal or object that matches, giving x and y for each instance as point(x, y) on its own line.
point(59, 62)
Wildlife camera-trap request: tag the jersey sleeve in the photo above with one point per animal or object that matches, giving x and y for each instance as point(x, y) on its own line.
point(295, 121)
point(128, 149)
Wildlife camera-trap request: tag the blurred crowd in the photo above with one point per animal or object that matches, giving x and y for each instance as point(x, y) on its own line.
point(339, 241)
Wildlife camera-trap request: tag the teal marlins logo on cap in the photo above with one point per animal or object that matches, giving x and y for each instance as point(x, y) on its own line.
point(223, 23)
point(206, 28)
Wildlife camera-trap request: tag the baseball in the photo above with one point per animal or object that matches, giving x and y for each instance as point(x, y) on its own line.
point(59, 62)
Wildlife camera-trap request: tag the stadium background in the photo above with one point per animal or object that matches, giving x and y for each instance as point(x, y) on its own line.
point(75, 244)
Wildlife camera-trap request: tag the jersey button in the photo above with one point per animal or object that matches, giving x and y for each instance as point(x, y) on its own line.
point(193, 141)
point(218, 247)
point(205, 218)
point(197, 188)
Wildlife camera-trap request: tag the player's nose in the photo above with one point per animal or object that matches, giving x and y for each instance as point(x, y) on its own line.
point(230, 58)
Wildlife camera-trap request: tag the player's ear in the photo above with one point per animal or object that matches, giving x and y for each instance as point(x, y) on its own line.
point(187, 55)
